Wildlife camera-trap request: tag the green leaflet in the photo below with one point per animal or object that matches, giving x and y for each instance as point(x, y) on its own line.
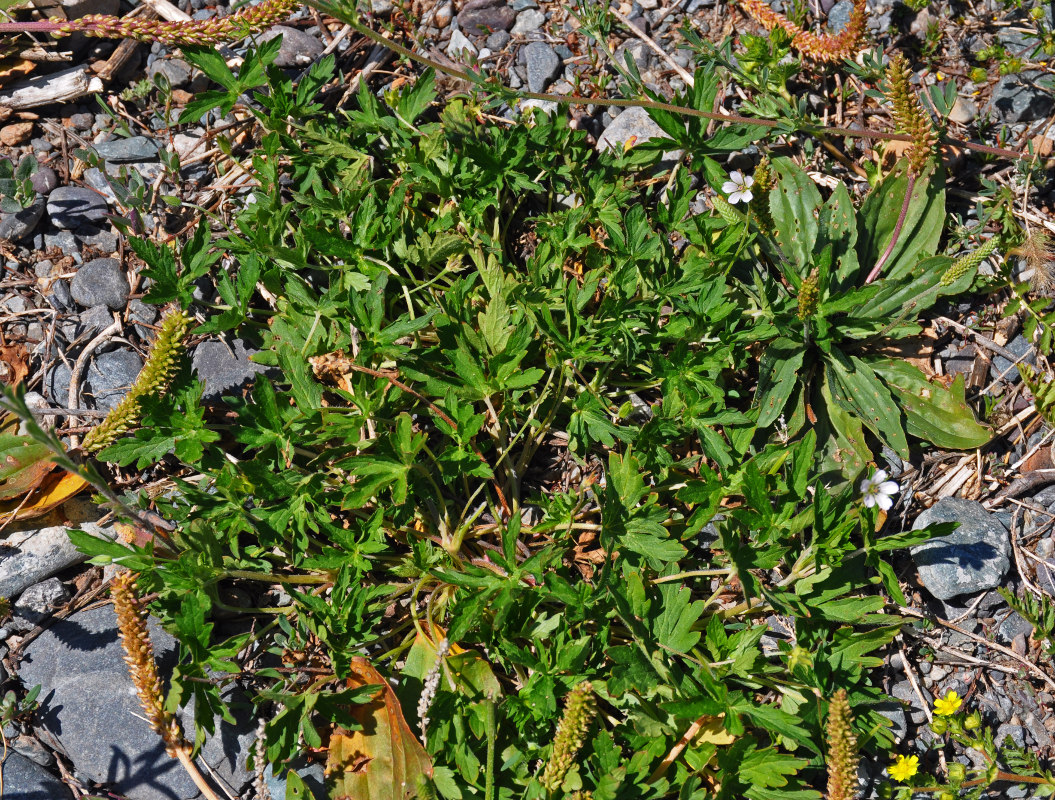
point(921, 231)
point(932, 412)
point(794, 203)
point(856, 388)
point(777, 378)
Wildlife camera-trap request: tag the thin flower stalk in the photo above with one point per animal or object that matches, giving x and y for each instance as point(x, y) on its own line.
point(194, 32)
point(819, 47)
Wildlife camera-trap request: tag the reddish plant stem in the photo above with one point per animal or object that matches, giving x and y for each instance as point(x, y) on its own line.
point(909, 187)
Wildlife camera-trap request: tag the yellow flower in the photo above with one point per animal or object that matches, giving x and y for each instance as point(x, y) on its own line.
point(904, 768)
point(948, 705)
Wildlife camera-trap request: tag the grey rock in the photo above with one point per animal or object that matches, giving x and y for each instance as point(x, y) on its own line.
point(64, 240)
point(111, 375)
point(1016, 732)
point(634, 122)
point(460, 45)
point(82, 121)
point(101, 283)
point(971, 559)
point(98, 180)
point(93, 320)
point(70, 207)
point(75, 9)
point(58, 383)
point(174, 70)
point(542, 65)
point(898, 721)
point(1023, 351)
point(141, 315)
point(89, 711)
point(41, 600)
point(313, 775)
point(31, 748)
point(528, 21)
point(497, 41)
point(223, 368)
point(1012, 625)
point(21, 223)
point(1019, 98)
point(639, 53)
point(103, 240)
point(122, 151)
point(298, 48)
point(839, 15)
point(903, 691)
point(25, 780)
point(38, 549)
point(380, 8)
point(44, 180)
point(485, 16)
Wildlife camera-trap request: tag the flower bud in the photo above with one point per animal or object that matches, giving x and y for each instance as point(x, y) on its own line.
point(973, 721)
point(957, 772)
point(939, 725)
point(947, 796)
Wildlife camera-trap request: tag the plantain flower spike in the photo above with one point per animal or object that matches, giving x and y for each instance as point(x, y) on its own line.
point(579, 711)
point(726, 211)
point(809, 295)
point(139, 656)
point(824, 47)
point(966, 263)
point(194, 32)
point(909, 115)
point(842, 749)
point(763, 185)
point(160, 366)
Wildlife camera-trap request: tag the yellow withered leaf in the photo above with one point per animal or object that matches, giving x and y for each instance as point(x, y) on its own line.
point(53, 491)
point(713, 731)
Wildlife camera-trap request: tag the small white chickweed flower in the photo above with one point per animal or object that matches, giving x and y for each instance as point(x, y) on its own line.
point(878, 491)
point(738, 187)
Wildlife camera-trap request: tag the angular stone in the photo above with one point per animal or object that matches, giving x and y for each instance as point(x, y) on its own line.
point(971, 559)
point(298, 48)
point(1019, 98)
point(221, 370)
point(542, 65)
point(634, 123)
point(38, 549)
point(135, 148)
point(90, 711)
point(24, 780)
point(22, 223)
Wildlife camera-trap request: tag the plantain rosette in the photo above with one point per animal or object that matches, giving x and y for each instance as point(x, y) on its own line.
point(827, 363)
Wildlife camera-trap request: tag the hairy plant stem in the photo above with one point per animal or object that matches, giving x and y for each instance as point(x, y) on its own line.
point(910, 186)
point(859, 133)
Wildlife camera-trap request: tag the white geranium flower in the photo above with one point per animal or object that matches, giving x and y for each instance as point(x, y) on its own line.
point(738, 187)
point(878, 491)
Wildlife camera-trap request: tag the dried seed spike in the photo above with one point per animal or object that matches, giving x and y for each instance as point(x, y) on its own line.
point(825, 47)
point(139, 655)
point(842, 749)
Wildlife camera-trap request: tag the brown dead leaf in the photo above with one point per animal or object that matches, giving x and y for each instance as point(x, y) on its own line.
point(384, 759)
point(14, 68)
point(16, 357)
point(1042, 459)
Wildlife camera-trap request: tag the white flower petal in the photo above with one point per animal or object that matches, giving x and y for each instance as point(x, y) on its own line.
point(736, 197)
point(879, 476)
point(870, 500)
point(866, 484)
point(749, 182)
point(885, 502)
point(729, 187)
point(889, 487)
point(737, 177)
